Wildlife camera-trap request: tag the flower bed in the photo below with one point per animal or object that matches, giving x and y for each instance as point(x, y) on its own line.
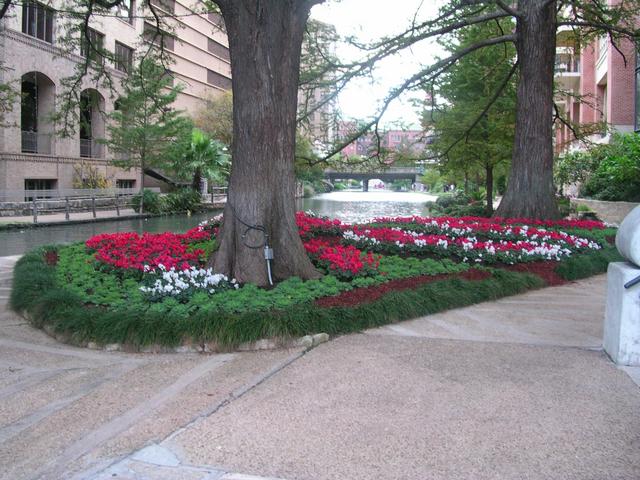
point(154, 288)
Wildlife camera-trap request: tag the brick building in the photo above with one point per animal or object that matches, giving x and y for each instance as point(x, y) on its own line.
point(395, 141)
point(608, 88)
point(32, 157)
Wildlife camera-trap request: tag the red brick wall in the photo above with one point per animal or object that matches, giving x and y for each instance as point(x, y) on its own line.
point(588, 84)
point(621, 84)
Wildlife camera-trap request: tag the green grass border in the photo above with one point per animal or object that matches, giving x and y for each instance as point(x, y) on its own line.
point(46, 304)
point(37, 295)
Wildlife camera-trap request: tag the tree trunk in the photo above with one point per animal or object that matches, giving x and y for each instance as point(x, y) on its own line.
point(530, 192)
point(265, 40)
point(489, 187)
point(197, 177)
point(141, 188)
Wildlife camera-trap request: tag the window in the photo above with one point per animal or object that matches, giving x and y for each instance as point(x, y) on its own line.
point(152, 35)
point(167, 5)
point(37, 21)
point(217, 49)
point(38, 187)
point(214, 78)
point(125, 10)
point(123, 57)
point(125, 183)
point(92, 47)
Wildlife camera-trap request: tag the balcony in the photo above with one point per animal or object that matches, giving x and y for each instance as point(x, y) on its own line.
point(34, 142)
point(567, 72)
point(89, 148)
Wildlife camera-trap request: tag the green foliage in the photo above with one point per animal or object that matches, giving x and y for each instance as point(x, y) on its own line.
point(153, 202)
point(468, 88)
point(58, 297)
point(432, 179)
point(607, 172)
point(308, 190)
point(582, 266)
point(215, 119)
point(145, 131)
point(575, 167)
point(203, 157)
point(393, 267)
point(184, 200)
point(459, 204)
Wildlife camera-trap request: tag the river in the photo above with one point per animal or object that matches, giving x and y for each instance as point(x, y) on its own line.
point(348, 206)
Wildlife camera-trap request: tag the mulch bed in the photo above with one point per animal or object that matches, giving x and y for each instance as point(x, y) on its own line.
point(358, 296)
point(545, 270)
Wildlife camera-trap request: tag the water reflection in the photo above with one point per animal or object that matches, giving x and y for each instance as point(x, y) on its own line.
point(15, 242)
point(357, 206)
point(348, 206)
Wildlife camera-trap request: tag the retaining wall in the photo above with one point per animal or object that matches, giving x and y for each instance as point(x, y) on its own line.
point(610, 212)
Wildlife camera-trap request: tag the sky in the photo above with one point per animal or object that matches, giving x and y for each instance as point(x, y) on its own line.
point(369, 20)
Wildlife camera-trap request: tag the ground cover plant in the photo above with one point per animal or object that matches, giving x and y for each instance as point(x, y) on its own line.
point(156, 289)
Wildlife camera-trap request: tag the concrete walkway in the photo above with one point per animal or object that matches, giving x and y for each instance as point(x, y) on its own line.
point(55, 218)
point(514, 389)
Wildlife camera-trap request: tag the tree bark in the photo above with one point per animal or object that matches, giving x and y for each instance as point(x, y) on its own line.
point(489, 187)
point(265, 39)
point(530, 192)
point(195, 182)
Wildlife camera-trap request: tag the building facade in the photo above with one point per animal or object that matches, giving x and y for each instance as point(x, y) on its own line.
point(32, 156)
point(597, 89)
point(410, 143)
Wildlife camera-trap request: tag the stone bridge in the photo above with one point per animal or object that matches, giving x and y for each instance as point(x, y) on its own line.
point(385, 175)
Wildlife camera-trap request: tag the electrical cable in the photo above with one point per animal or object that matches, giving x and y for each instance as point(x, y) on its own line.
point(268, 251)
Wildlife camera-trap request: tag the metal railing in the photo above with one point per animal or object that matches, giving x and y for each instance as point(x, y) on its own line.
point(568, 66)
point(34, 142)
point(217, 195)
point(89, 148)
point(42, 202)
point(73, 193)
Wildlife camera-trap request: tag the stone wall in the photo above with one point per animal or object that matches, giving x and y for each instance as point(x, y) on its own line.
point(610, 212)
point(17, 209)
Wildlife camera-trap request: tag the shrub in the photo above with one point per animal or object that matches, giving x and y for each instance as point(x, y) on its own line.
point(308, 190)
point(617, 170)
point(153, 202)
point(182, 200)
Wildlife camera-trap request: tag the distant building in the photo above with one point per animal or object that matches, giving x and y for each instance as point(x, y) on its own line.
point(395, 142)
point(316, 100)
point(31, 156)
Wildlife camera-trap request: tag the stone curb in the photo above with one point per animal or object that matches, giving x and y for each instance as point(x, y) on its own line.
point(307, 342)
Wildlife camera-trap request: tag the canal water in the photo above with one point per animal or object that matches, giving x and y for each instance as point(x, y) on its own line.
point(348, 206)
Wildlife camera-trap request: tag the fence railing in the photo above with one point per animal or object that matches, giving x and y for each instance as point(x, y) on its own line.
point(90, 148)
point(37, 203)
point(73, 193)
point(34, 142)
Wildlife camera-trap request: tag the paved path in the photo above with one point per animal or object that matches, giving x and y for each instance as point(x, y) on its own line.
point(514, 389)
point(74, 217)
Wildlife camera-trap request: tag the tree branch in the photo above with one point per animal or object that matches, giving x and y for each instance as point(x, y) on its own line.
point(5, 7)
point(484, 111)
point(424, 76)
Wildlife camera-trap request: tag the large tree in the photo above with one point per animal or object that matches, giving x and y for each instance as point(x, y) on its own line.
point(530, 191)
point(265, 41)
